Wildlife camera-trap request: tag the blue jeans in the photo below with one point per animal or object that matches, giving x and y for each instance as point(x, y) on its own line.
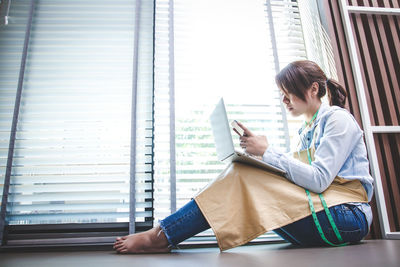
point(351, 222)
point(184, 223)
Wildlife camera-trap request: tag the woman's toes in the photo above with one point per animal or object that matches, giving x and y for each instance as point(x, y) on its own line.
point(120, 248)
point(120, 240)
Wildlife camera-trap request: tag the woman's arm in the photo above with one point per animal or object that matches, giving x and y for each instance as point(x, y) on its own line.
point(339, 138)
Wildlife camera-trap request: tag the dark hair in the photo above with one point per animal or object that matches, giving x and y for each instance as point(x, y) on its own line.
point(297, 77)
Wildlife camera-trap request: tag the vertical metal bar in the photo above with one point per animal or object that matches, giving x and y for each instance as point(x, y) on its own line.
point(132, 180)
point(153, 110)
point(366, 121)
point(277, 69)
point(14, 124)
point(172, 105)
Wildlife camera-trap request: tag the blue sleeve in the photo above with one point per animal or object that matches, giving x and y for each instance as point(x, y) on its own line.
point(339, 136)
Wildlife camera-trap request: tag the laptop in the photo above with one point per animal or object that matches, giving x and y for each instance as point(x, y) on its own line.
point(226, 151)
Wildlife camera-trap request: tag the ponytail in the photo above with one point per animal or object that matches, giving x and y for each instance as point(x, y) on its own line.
point(336, 93)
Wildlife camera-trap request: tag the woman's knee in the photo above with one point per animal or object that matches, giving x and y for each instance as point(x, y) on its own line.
point(350, 222)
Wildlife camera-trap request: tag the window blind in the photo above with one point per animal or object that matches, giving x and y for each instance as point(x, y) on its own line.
point(162, 109)
point(11, 46)
point(71, 159)
point(144, 120)
point(317, 42)
point(74, 148)
point(73, 151)
point(216, 55)
point(288, 36)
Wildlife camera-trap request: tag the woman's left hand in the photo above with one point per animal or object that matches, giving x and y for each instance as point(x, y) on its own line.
point(253, 144)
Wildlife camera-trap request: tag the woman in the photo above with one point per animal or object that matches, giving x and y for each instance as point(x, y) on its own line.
point(244, 202)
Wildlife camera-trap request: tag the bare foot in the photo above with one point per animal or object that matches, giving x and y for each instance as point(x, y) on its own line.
point(151, 241)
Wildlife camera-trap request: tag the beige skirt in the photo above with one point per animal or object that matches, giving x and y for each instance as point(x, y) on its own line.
point(244, 202)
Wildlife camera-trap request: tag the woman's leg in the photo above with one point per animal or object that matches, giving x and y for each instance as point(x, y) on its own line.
point(286, 236)
point(184, 223)
point(350, 221)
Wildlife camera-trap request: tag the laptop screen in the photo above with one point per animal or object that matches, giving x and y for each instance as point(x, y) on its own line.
point(221, 131)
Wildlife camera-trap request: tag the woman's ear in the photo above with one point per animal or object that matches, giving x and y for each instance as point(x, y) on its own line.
point(314, 89)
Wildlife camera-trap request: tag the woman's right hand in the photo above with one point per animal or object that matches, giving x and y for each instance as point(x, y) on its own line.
point(251, 143)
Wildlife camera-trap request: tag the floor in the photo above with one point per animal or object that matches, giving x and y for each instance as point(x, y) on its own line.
point(380, 253)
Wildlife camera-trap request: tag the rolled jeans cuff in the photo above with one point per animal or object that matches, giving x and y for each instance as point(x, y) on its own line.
point(184, 223)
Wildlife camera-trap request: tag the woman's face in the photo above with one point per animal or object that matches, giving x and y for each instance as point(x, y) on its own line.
point(293, 104)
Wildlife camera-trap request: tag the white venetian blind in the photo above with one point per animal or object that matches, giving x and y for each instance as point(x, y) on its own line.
point(288, 30)
point(73, 144)
point(11, 46)
point(144, 109)
point(221, 48)
point(289, 45)
point(162, 85)
point(317, 42)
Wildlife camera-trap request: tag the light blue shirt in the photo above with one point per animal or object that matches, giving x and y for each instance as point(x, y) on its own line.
point(339, 151)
